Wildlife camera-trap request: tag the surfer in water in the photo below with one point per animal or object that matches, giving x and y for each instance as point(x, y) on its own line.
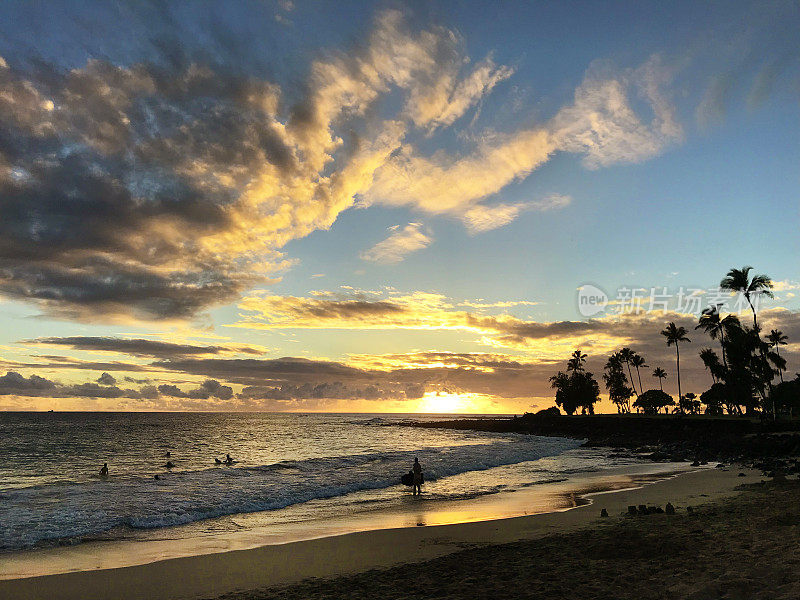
point(229, 460)
point(417, 471)
point(104, 470)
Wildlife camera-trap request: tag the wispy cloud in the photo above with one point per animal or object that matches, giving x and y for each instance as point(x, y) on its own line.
point(394, 249)
point(482, 217)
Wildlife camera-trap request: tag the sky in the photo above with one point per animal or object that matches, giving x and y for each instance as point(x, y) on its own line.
point(388, 207)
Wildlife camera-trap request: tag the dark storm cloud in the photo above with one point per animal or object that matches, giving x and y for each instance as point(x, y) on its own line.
point(140, 347)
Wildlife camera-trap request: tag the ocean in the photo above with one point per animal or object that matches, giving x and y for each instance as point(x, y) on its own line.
point(290, 468)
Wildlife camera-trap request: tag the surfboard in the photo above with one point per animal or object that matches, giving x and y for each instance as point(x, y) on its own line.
point(408, 479)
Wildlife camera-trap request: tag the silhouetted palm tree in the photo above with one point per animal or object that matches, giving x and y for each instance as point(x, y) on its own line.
point(714, 325)
point(675, 335)
point(738, 280)
point(638, 361)
point(711, 362)
point(626, 355)
point(575, 363)
point(776, 339)
point(661, 374)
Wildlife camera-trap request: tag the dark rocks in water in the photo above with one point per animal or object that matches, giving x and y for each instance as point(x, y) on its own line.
point(742, 475)
point(642, 510)
point(720, 466)
point(632, 510)
point(655, 510)
point(689, 510)
point(695, 463)
point(604, 513)
point(169, 465)
point(669, 509)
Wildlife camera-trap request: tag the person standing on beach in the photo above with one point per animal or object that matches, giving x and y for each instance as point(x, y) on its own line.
point(417, 470)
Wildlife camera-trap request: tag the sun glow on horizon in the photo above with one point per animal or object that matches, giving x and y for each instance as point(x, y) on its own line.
point(447, 402)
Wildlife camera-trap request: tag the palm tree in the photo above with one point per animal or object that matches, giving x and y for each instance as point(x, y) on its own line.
point(575, 363)
point(674, 335)
point(661, 374)
point(626, 355)
point(711, 362)
point(638, 361)
point(776, 339)
point(714, 325)
point(738, 280)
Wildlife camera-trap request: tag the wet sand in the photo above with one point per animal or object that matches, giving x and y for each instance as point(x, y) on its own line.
point(212, 575)
point(742, 548)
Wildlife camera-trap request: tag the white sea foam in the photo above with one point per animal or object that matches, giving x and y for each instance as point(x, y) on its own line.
point(32, 515)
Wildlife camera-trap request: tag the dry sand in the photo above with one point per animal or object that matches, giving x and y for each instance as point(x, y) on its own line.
point(281, 565)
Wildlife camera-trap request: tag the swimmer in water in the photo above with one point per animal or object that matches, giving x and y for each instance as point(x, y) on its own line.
point(104, 470)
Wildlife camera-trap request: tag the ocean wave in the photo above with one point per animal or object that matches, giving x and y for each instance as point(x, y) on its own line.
point(30, 516)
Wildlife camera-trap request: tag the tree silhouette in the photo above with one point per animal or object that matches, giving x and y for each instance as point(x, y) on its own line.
point(638, 361)
point(661, 374)
point(675, 335)
point(626, 355)
point(575, 363)
point(715, 326)
point(776, 339)
point(738, 280)
point(711, 362)
point(577, 388)
point(652, 401)
point(714, 398)
point(689, 403)
point(617, 383)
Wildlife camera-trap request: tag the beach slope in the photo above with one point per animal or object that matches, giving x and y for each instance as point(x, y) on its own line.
point(281, 565)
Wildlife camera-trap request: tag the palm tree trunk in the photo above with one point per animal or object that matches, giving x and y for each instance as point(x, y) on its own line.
point(631, 378)
point(763, 357)
point(678, 360)
point(722, 343)
point(639, 375)
point(753, 308)
point(661, 384)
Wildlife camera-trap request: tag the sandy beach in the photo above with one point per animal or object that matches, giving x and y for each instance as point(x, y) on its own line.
point(213, 575)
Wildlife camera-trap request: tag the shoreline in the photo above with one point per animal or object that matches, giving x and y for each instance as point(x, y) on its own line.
point(210, 575)
point(406, 511)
